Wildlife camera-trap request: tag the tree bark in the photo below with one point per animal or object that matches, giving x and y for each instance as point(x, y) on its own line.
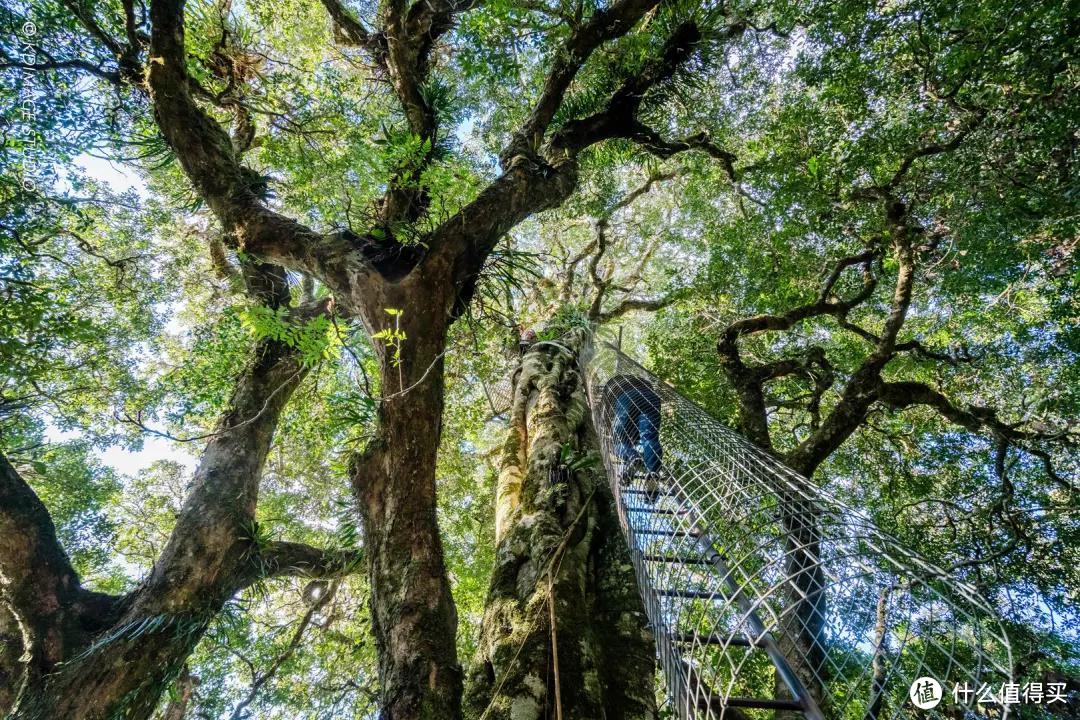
point(801, 635)
point(564, 631)
point(121, 670)
point(412, 611)
point(12, 671)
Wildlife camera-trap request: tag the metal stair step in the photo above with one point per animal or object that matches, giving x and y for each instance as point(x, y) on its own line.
point(713, 639)
point(666, 533)
point(699, 594)
point(762, 704)
point(676, 559)
point(709, 701)
point(652, 510)
point(656, 493)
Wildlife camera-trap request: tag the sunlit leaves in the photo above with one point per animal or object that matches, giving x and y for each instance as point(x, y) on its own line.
point(314, 338)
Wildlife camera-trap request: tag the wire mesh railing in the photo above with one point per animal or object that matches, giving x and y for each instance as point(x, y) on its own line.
point(768, 597)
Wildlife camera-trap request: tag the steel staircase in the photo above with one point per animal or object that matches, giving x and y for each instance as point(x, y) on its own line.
point(769, 598)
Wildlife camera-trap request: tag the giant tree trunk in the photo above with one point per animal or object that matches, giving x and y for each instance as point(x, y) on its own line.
point(139, 643)
point(413, 616)
point(564, 631)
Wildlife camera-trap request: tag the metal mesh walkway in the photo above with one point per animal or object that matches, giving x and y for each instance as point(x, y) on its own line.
point(768, 597)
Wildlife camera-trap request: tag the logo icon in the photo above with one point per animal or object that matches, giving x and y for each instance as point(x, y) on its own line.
point(925, 693)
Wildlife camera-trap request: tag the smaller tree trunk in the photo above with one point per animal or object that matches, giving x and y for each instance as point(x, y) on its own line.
point(801, 634)
point(564, 632)
point(412, 611)
point(122, 670)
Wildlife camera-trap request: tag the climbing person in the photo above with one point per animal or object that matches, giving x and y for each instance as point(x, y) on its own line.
point(526, 338)
point(636, 409)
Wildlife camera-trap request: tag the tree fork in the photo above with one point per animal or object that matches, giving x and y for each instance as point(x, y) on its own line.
point(140, 642)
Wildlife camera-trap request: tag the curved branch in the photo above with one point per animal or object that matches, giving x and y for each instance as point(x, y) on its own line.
point(126, 55)
point(530, 184)
point(603, 284)
point(904, 394)
point(860, 392)
point(294, 643)
point(902, 229)
point(87, 20)
point(617, 119)
point(825, 304)
point(607, 24)
point(884, 190)
point(570, 271)
point(208, 157)
point(51, 63)
point(410, 37)
point(953, 356)
point(37, 580)
point(350, 31)
point(652, 141)
point(293, 559)
point(636, 304)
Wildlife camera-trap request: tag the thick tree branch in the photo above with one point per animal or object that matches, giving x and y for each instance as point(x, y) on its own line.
point(636, 304)
point(411, 34)
point(37, 580)
point(902, 229)
point(346, 263)
point(220, 506)
point(87, 20)
point(461, 244)
point(31, 559)
point(604, 25)
point(975, 418)
point(750, 393)
point(825, 304)
point(350, 31)
point(208, 157)
point(617, 119)
point(292, 559)
point(530, 184)
point(861, 390)
point(652, 141)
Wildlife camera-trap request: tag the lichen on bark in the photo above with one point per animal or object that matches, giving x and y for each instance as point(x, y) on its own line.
point(564, 631)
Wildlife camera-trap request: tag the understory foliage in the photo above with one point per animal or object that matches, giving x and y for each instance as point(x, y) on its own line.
point(848, 229)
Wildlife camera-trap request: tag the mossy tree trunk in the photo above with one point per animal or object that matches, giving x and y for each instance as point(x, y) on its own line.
point(564, 631)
